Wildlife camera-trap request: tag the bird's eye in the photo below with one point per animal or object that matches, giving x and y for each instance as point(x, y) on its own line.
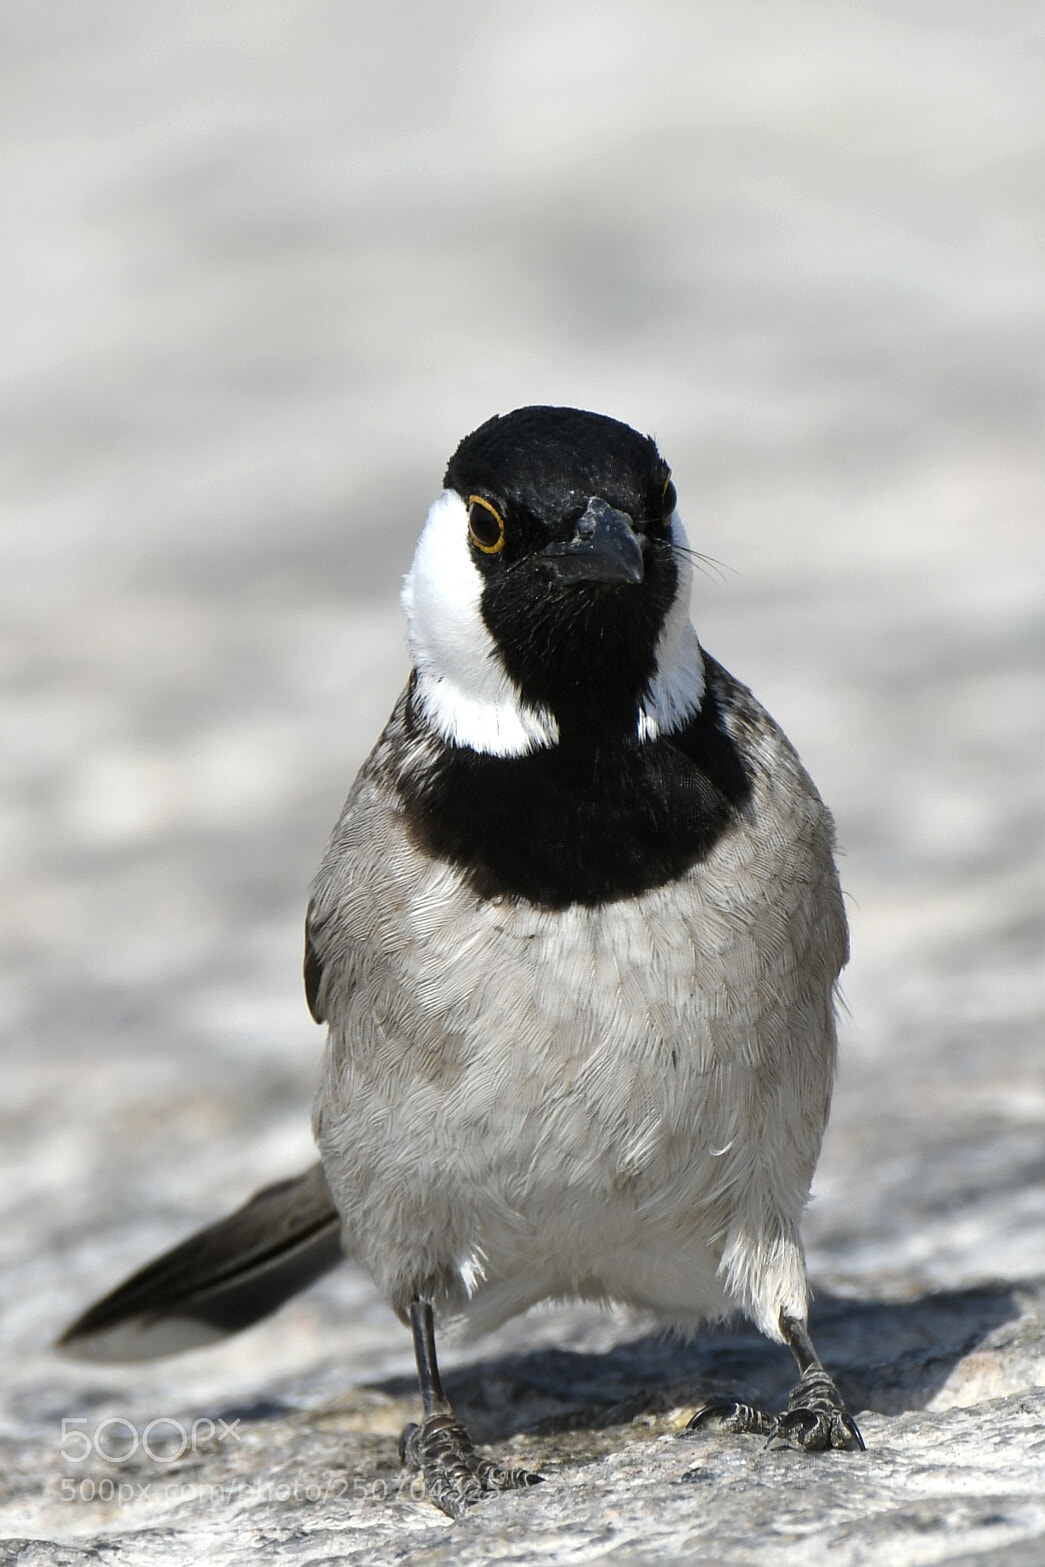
point(669, 497)
point(485, 525)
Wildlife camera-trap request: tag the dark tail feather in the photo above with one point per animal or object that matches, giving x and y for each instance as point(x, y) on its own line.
point(220, 1280)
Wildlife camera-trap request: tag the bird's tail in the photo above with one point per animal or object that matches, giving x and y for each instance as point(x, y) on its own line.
point(221, 1279)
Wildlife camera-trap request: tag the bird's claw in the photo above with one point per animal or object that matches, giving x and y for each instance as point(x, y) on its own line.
point(455, 1475)
point(815, 1418)
point(814, 1430)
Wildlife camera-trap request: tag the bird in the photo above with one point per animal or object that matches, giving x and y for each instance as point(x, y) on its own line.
point(576, 939)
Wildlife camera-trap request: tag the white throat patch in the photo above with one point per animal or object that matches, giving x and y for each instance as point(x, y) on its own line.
point(463, 687)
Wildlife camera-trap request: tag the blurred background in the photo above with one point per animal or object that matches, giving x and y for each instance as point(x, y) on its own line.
point(262, 266)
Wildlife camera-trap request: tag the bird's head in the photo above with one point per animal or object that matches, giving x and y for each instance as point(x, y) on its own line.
point(548, 600)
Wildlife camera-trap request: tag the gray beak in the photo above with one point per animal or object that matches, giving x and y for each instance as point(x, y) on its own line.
point(604, 548)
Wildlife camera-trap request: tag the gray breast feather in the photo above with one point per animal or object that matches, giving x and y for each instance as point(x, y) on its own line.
point(623, 1101)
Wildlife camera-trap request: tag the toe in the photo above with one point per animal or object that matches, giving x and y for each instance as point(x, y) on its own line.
point(803, 1428)
point(730, 1415)
point(814, 1430)
point(845, 1433)
point(493, 1478)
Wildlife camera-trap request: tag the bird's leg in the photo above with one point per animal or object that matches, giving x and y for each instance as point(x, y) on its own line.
point(815, 1417)
point(440, 1448)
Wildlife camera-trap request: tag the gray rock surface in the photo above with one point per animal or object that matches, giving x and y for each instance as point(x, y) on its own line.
point(263, 265)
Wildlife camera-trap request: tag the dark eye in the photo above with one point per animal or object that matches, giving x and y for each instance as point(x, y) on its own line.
point(669, 498)
point(485, 525)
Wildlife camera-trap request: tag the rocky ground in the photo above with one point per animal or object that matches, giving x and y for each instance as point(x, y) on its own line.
point(262, 267)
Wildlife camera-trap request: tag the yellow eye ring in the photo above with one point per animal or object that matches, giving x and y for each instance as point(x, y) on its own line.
point(485, 525)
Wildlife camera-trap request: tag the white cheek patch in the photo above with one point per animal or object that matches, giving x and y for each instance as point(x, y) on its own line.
point(677, 688)
point(463, 687)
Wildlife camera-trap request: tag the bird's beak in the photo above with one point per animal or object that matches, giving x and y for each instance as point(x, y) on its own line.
point(604, 548)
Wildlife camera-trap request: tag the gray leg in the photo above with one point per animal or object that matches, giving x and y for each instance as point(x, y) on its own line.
point(815, 1417)
point(440, 1447)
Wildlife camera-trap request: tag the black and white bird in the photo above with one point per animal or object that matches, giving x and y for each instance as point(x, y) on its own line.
point(575, 937)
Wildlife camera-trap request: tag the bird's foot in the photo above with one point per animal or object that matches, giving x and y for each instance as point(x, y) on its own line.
point(455, 1475)
point(815, 1418)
